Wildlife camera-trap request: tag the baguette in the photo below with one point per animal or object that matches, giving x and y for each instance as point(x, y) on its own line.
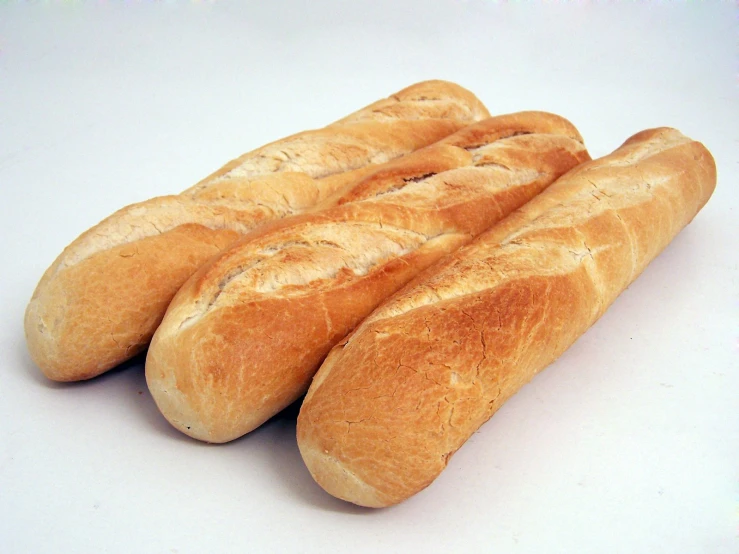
point(395, 399)
point(244, 336)
point(101, 300)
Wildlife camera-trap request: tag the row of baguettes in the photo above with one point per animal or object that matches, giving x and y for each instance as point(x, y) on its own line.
point(394, 400)
point(102, 299)
point(244, 336)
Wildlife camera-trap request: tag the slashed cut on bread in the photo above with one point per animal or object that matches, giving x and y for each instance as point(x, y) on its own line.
point(399, 396)
point(101, 300)
point(244, 336)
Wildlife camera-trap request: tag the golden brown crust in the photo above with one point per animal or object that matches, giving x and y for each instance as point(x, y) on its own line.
point(243, 337)
point(400, 395)
point(100, 301)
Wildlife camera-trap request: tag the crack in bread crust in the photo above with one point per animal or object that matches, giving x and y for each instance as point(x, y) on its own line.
point(575, 206)
point(102, 298)
point(471, 331)
point(244, 335)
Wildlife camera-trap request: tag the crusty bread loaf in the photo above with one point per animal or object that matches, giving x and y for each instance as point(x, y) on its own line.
point(101, 300)
point(400, 395)
point(244, 336)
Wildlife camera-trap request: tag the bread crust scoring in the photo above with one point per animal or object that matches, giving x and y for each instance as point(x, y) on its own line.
point(395, 399)
point(101, 300)
point(243, 337)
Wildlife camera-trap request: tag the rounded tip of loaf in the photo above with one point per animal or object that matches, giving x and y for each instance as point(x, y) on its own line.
point(175, 405)
point(46, 352)
point(63, 344)
point(41, 347)
point(338, 480)
point(187, 395)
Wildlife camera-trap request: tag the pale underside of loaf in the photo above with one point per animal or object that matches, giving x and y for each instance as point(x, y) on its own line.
point(400, 395)
point(243, 337)
point(101, 300)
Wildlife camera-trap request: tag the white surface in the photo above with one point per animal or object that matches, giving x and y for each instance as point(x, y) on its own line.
point(629, 443)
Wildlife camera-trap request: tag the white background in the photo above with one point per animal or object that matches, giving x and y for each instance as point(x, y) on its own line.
point(628, 443)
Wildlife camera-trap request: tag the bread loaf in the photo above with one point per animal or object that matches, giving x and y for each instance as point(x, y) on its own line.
point(244, 336)
point(101, 300)
point(395, 399)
